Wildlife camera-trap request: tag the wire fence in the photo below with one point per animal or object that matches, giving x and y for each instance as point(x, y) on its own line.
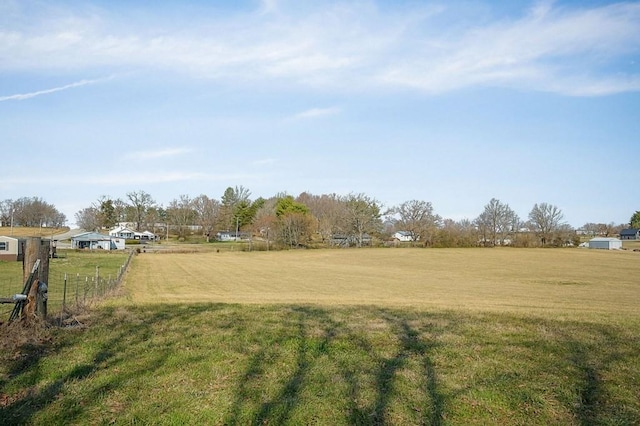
point(70, 292)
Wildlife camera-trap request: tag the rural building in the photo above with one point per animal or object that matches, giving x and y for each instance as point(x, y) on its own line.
point(605, 243)
point(95, 241)
point(404, 236)
point(231, 236)
point(11, 249)
point(122, 232)
point(128, 234)
point(343, 240)
point(145, 236)
point(630, 234)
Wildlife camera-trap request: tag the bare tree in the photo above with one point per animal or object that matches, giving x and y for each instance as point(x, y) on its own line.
point(140, 203)
point(88, 219)
point(496, 222)
point(6, 212)
point(417, 218)
point(181, 214)
point(545, 219)
point(457, 233)
point(35, 212)
point(591, 229)
point(329, 210)
point(362, 216)
point(207, 212)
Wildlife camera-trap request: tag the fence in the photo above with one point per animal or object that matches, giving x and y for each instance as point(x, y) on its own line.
point(69, 291)
point(80, 290)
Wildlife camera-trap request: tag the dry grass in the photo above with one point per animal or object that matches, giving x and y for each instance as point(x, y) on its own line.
point(553, 281)
point(25, 231)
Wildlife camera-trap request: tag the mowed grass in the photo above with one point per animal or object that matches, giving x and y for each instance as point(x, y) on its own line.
point(548, 282)
point(341, 337)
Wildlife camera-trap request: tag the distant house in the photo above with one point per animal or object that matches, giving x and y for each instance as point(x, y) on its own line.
point(145, 236)
point(96, 241)
point(231, 236)
point(630, 234)
point(122, 232)
point(128, 234)
point(344, 240)
point(404, 236)
point(605, 243)
point(11, 249)
point(225, 236)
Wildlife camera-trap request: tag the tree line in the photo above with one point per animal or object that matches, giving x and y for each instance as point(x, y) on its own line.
point(31, 212)
point(353, 219)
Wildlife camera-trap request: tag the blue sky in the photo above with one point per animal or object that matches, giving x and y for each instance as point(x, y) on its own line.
point(452, 102)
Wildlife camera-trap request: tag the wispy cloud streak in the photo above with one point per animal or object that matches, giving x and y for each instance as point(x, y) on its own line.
point(316, 113)
point(23, 96)
point(126, 179)
point(350, 46)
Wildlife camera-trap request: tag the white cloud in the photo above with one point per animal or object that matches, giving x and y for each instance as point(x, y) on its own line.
point(23, 96)
point(125, 179)
point(268, 6)
point(549, 49)
point(346, 46)
point(316, 113)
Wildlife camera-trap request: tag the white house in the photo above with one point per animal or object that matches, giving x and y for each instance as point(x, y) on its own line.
point(128, 234)
point(122, 232)
point(404, 236)
point(145, 236)
point(605, 243)
point(10, 249)
point(95, 241)
point(232, 236)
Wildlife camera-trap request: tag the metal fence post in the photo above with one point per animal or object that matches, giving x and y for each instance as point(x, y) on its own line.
point(64, 292)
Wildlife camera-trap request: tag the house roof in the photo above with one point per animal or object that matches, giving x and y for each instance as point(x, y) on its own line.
point(603, 239)
point(629, 231)
point(121, 229)
point(91, 236)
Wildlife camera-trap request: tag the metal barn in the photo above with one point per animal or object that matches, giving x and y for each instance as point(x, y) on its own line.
point(605, 243)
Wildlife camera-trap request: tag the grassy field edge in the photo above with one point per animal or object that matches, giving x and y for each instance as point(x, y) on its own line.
point(300, 364)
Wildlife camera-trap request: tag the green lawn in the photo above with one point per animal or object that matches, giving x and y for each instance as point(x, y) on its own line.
point(80, 269)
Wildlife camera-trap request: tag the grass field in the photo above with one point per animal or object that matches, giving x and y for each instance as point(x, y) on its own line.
point(558, 282)
point(337, 337)
point(25, 231)
point(80, 267)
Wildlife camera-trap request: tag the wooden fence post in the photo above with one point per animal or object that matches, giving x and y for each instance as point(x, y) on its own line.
point(36, 248)
point(31, 253)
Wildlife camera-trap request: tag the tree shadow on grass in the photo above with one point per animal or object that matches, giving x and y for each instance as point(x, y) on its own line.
point(315, 332)
point(277, 409)
point(592, 358)
point(409, 344)
point(379, 361)
point(113, 354)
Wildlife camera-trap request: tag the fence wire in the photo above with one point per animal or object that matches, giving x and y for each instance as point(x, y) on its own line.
point(72, 291)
